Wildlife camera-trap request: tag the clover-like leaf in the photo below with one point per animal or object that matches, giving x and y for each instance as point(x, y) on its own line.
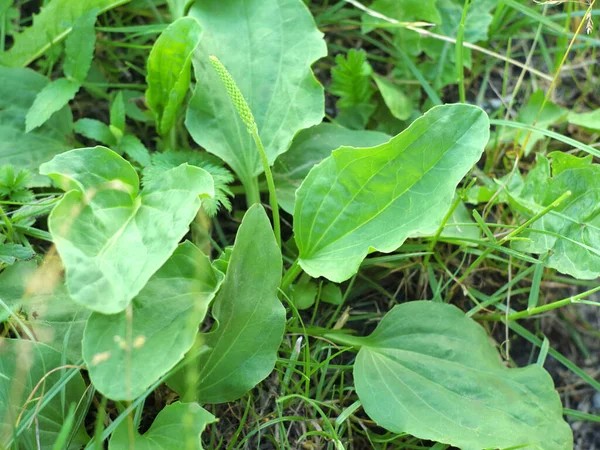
point(250, 319)
point(430, 371)
point(110, 236)
point(276, 80)
point(360, 199)
point(127, 352)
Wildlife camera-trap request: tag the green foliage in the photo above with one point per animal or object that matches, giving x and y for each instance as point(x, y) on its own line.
point(14, 184)
point(277, 82)
point(51, 99)
point(169, 71)
point(351, 81)
point(570, 233)
point(22, 366)
point(106, 230)
point(79, 47)
point(309, 148)
point(18, 91)
point(250, 319)
point(361, 199)
point(127, 352)
point(54, 22)
point(178, 425)
point(429, 371)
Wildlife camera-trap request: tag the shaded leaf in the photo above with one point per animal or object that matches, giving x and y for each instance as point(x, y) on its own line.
point(178, 425)
point(79, 47)
point(127, 352)
point(310, 147)
point(52, 98)
point(429, 371)
point(111, 237)
point(18, 90)
point(10, 253)
point(399, 104)
point(54, 22)
point(96, 130)
point(23, 363)
point(571, 231)
point(250, 319)
point(276, 81)
point(364, 199)
point(131, 146)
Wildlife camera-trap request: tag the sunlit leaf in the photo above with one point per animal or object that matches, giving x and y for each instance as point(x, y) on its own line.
point(110, 236)
point(429, 371)
point(363, 199)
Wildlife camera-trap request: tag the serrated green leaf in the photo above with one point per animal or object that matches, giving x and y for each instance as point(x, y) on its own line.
point(52, 98)
point(54, 22)
point(131, 146)
point(79, 47)
point(169, 70)
point(23, 363)
point(429, 371)
point(127, 352)
point(571, 231)
point(310, 147)
point(276, 81)
point(178, 425)
point(111, 237)
point(96, 130)
point(362, 199)
point(250, 319)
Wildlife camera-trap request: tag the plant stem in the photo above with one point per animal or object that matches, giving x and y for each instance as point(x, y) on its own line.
point(460, 70)
point(270, 184)
point(291, 274)
point(252, 191)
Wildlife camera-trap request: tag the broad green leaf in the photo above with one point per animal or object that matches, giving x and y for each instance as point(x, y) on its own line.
point(52, 98)
point(177, 426)
point(250, 319)
point(271, 66)
point(23, 363)
point(18, 90)
point(304, 293)
point(399, 104)
point(179, 8)
point(79, 47)
point(364, 199)
point(54, 22)
point(571, 231)
point(127, 352)
point(96, 130)
point(45, 307)
point(169, 70)
point(429, 371)
point(111, 237)
point(588, 120)
point(310, 147)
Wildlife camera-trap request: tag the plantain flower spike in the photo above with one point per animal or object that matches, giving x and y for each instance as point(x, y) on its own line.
point(235, 95)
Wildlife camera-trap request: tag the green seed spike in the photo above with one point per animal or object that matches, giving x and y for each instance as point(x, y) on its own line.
point(235, 94)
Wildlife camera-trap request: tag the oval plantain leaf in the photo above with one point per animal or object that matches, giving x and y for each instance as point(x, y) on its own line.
point(250, 319)
point(23, 364)
point(430, 371)
point(362, 199)
point(169, 70)
point(310, 147)
point(127, 352)
point(178, 425)
point(569, 233)
point(271, 66)
point(111, 237)
point(53, 23)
